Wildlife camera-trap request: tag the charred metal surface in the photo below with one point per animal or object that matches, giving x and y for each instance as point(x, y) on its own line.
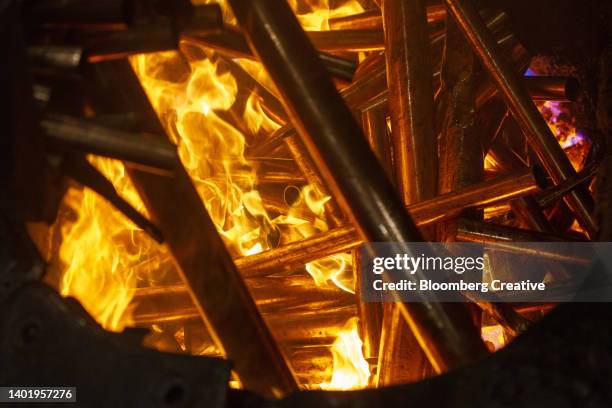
point(46, 339)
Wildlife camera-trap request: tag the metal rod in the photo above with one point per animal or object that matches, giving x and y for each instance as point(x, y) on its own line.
point(534, 127)
point(374, 123)
point(82, 171)
point(342, 239)
point(339, 150)
point(539, 88)
point(461, 153)
point(367, 91)
point(373, 19)
point(203, 262)
point(348, 40)
point(87, 137)
point(411, 109)
point(112, 45)
point(232, 43)
point(304, 162)
point(554, 193)
point(526, 208)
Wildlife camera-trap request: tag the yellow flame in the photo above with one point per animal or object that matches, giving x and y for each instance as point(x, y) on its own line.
point(351, 370)
point(103, 252)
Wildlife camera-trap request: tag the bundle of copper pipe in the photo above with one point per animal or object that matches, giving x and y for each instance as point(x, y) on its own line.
point(370, 145)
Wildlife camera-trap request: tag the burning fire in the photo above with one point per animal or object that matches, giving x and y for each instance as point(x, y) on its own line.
point(351, 370)
point(212, 124)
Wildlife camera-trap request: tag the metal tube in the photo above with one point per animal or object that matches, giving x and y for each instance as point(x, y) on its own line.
point(112, 45)
point(366, 92)
point(348, 40)
point(373, 19)
point(339, 150)
point(55, 59)
point(232, 43)
point(411, 100)
point(461, 154)
point(202, 260)
point(342, 239)
point(534, 127)
point(544, 88)
point(411, 109)
point(479, 231)
point(554, 193)
point(82, 171)
point(87, 137)
point(374, 123)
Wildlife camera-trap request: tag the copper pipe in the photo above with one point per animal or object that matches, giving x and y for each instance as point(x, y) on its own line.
point(372, 19)
point(230, 42)
point(368, 90)
point(342, 239)
point(526, 208)
point(535, 128)
point(411, 101)
point(104, 14)
point(113, 45)
point(339, 150)
point(202, 260)
point(84, 136)
point(374, 123)
point(478, 231)
point(400, 360)
point(347, 40)
point(554, 193)
point(539, 88)
point(411, 110)
point(509, 239)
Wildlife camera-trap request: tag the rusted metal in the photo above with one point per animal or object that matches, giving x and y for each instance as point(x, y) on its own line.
point(534, 127)
point(373, 19)
point(216, 287)
point(339, 149)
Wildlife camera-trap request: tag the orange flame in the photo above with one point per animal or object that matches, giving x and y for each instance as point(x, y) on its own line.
point(351, 370)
